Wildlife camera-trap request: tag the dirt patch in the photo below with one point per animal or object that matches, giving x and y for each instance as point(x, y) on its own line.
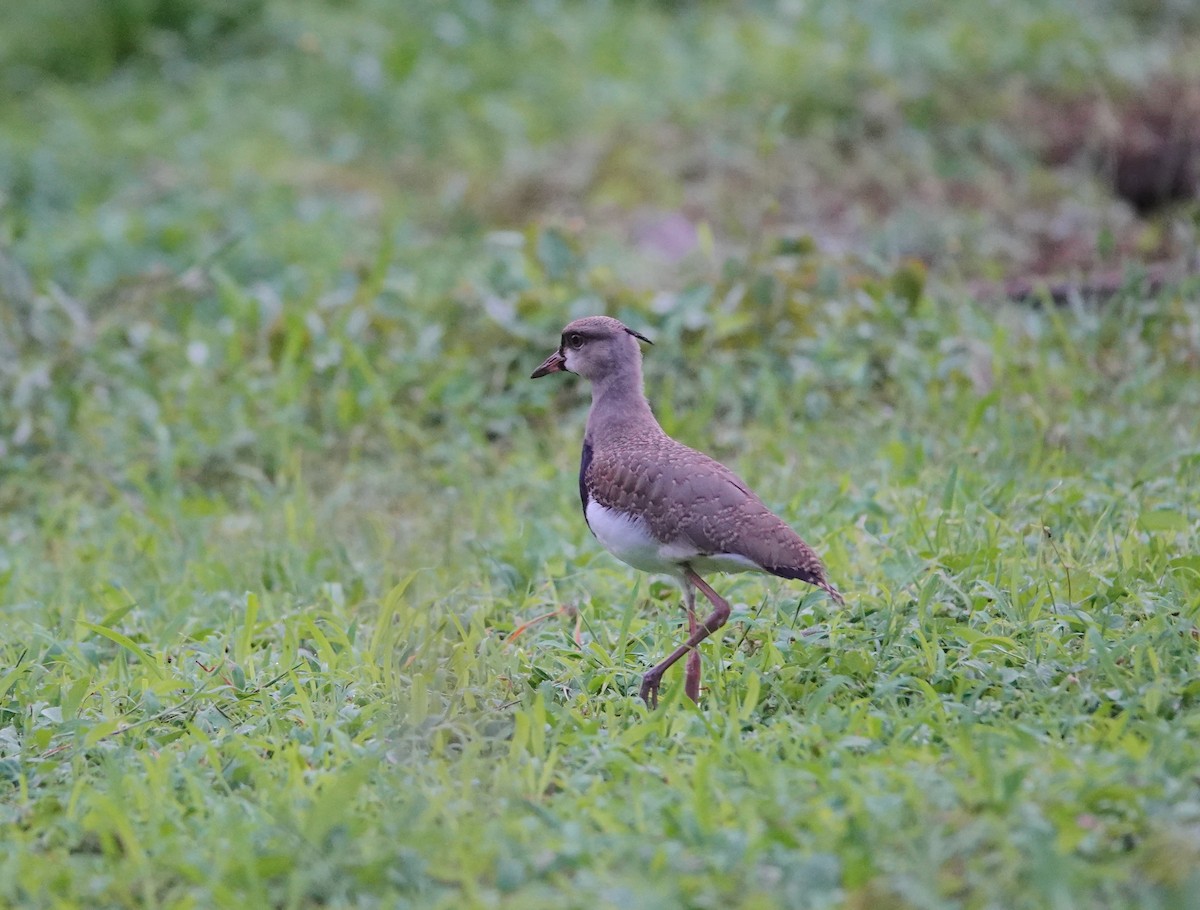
point(1146, 145)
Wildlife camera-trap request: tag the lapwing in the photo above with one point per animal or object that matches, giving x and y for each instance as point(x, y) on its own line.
point(660, 506)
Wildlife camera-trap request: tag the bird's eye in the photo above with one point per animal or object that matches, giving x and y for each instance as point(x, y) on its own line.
point(575, 340)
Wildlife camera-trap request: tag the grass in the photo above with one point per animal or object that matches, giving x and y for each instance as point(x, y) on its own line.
point(299, 610)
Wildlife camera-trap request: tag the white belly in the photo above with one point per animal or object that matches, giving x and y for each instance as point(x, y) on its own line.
point(629, 539)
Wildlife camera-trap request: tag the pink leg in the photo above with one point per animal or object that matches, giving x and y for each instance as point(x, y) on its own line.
point(720, 614)
point(691, 678)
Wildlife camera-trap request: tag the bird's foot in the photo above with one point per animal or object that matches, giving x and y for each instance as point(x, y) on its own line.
point(649, 691)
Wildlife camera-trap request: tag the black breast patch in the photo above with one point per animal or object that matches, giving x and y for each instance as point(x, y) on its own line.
point(584, 461)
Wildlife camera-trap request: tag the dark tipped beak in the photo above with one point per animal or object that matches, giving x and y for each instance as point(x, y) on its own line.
point(555, 363)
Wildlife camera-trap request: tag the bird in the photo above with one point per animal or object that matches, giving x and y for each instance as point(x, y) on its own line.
point(660, 506)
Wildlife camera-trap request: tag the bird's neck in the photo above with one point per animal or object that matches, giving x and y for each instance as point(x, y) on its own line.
point(619, 407)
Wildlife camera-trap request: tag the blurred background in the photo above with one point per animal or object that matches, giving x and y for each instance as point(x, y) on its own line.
point(1001, 139)
point(413, 169)
point(231, 187)
point(237, 234)
point(232, 233)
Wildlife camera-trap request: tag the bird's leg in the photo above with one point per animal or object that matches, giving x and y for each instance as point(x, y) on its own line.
point(716, 619)
point(691, 678)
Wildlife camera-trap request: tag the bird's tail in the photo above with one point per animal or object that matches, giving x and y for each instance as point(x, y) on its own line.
point(832, 592)
point(812, 573)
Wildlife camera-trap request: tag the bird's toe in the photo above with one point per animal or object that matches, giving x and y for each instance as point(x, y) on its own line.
point(649, 690)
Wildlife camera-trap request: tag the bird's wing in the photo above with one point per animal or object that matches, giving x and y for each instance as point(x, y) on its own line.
point(685, 495)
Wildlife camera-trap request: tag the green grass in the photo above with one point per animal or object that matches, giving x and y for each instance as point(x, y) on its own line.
point(276, 491)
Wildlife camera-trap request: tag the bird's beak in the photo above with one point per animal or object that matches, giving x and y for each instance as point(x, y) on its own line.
point(555, 363)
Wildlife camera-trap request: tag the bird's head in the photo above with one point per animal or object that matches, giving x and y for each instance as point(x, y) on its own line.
point(595, 347)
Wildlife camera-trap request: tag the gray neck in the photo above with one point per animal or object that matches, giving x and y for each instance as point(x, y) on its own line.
point(619, 406)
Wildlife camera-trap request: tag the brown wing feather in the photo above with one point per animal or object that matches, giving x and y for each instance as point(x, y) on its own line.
point(685, 494)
